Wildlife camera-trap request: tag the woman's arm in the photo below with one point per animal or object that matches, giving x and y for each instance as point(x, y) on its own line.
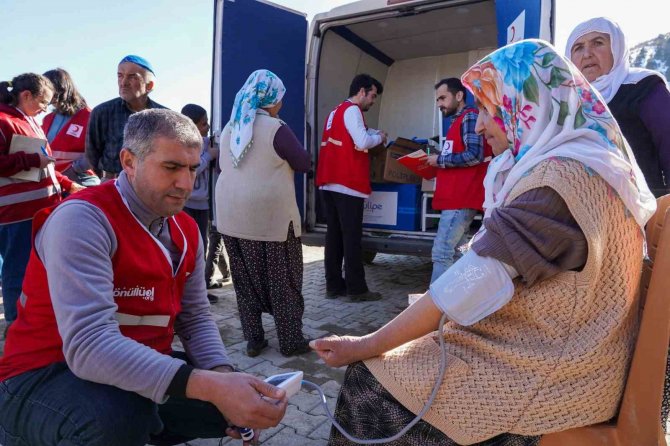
point(416, 321)
point(655, 114)
point(536, 234)
point(288, 147)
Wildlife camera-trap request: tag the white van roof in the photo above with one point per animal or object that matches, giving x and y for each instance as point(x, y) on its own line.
point(365, 6)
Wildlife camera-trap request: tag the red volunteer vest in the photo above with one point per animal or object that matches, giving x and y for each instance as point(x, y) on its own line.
point(461, 187)
point(339, 162)
point(146, 291)
point(70, 141)
point(19, 199)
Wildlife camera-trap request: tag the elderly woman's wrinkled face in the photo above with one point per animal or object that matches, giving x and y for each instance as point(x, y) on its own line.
point(592, 54)
point(491, 130)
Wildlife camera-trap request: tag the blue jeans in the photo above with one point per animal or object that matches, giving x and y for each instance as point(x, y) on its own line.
point(50, 406)
point(15, 245)
point(451, 233)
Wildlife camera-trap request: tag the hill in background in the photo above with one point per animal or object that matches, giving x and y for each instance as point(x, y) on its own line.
point(653, 54)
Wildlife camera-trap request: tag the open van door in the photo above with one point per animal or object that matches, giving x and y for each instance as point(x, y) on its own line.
point(524, 19)
point(255, 34)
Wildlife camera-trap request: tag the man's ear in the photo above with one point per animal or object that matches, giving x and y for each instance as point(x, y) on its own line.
point(460, 96)
point(128, 161)
point(150, 86)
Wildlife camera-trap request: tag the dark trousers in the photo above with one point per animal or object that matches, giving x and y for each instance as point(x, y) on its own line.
point(50, 406)
point(344, 216)
point(15, 245)
point(215, 255)
point(201, 217)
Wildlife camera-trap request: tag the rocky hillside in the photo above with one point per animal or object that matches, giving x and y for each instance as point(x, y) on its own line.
point(653, 54)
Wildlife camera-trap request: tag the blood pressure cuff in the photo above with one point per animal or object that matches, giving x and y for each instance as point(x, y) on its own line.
point(473, 288)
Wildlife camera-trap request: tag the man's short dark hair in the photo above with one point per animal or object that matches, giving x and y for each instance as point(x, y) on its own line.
point(364, 81)
point(454, 85)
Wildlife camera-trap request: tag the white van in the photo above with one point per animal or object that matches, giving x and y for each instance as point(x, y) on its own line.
point(408, 45)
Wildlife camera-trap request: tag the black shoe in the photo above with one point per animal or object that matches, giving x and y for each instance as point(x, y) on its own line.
point(225, 278)
point(212, 298)
point(365, 297)
point(255, 348)
point(335, 294)
point(301, 349)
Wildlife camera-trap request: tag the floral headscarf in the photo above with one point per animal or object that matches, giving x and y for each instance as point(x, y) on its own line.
point(262, 89)
point(549, 110)
point(621, 72)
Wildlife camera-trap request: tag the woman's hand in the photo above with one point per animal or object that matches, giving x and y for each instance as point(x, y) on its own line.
point(76, 187)
point(337, 351)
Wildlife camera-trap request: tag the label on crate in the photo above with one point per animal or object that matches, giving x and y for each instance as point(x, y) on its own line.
point(381, 208)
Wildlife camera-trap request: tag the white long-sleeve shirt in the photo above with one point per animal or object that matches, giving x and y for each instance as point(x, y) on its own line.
point(364, 139)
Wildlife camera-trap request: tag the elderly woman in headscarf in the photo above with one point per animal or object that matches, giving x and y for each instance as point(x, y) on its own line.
point(257, 214)
point(541, 312)
point(638, 98)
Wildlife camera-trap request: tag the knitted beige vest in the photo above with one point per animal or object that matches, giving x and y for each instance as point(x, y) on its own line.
point(557, 355)
point(256, 200)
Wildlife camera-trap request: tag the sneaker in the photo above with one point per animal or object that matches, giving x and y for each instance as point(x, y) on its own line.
point(254, 348)
point(214, 284)
point(301, 349)
point(335, 294)
point(365, 297)
point(212, 298)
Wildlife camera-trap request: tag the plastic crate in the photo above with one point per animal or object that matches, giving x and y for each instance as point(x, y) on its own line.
point(393, 206)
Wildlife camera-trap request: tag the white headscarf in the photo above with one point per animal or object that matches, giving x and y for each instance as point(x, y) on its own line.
point(550, 111)
point(621, 72)
point(263, 89)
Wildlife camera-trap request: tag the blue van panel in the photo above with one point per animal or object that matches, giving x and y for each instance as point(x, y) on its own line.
point(259, 35)
point(508, 10)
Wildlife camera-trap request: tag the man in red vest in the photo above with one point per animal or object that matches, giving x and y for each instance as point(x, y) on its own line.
point(343, 176)
point(459, 190)
point(114, 274)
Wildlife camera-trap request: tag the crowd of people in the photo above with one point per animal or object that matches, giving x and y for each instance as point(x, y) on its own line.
point(101, 268)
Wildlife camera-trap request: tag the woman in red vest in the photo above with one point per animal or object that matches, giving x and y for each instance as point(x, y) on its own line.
point(26, 96)
point(66, 129)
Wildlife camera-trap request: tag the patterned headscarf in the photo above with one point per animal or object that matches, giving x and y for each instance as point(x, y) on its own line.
point(621, 72)
point(549, 110)
point(262, 89)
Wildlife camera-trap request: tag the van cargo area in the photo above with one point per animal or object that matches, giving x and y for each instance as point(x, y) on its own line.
point(408, 50)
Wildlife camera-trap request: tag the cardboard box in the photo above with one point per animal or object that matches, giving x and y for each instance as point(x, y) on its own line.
point(428, 185)
point(393, 170)
point(377, 161)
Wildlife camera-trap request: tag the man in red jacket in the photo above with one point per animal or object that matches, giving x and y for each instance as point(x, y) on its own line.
point(115, 272)
point(343, 176)
point(459, 191)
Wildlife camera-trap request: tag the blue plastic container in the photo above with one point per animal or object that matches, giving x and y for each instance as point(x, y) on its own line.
point(408, 215)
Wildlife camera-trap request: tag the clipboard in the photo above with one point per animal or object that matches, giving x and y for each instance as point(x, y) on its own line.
point(28, 144)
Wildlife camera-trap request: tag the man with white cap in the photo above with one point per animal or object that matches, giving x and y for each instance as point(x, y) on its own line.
point(136, 79)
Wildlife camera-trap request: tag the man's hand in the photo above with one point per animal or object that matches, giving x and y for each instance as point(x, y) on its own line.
point(432, 160)
point(385, 137)
point(45, 160)
point(76, 187)
point(242, 399)
point(337, 351)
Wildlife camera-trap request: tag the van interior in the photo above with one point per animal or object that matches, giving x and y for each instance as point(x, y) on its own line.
point(408, 52)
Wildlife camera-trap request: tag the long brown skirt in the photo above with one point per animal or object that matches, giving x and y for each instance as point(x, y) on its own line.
point(267, 277)
point(365, 409)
